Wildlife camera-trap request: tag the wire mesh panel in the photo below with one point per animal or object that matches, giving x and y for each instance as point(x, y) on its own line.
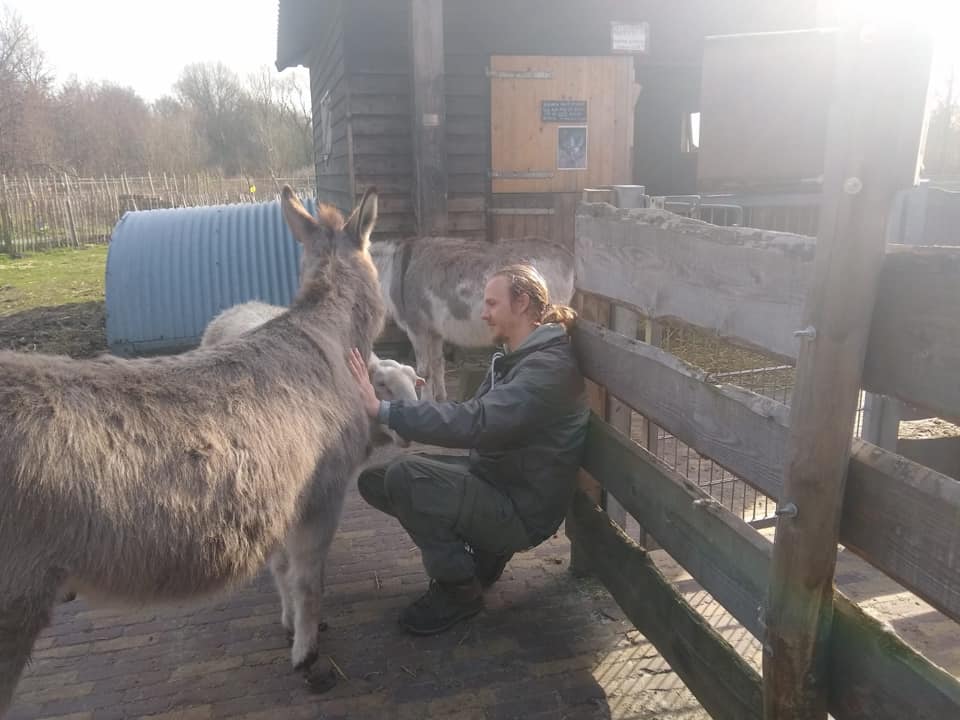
point(723, 361)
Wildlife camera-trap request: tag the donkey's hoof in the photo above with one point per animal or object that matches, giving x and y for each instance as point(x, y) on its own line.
point(307, 662)
point(322, 626)
point(320, 679)
point(289, 634)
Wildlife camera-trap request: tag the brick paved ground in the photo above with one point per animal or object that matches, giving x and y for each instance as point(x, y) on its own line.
point(547, 646)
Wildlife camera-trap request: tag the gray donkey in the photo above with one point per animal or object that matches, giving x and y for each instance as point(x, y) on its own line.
point(303, 556)
point(150, 480)
point(433, 289)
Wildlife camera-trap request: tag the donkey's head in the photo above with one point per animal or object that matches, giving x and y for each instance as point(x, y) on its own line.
point(335, 268)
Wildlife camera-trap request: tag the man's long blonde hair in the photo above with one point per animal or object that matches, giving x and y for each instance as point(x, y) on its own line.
point(526, 280)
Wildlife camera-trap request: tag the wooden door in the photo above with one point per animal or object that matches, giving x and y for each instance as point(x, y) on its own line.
point(560, 124)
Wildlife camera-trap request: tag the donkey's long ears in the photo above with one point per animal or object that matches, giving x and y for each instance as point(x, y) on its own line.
point(302, 224)
point(361, 221)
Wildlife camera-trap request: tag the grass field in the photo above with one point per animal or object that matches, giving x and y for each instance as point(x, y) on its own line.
point(52, 302)
point(57, 277)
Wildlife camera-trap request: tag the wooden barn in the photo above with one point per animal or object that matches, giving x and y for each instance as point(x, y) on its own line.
point(488, 119)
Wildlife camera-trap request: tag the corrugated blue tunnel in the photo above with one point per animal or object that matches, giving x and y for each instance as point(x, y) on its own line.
point(169, 272)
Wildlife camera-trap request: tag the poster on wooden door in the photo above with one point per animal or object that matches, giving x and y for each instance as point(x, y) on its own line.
point(572, 148)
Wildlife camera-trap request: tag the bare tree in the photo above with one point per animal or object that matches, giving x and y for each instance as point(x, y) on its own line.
point(281, 115)
point(213, 121)
point(102, 128)
point(173, 145)
point(24, 86)
point(20, 55)
point(214, 92)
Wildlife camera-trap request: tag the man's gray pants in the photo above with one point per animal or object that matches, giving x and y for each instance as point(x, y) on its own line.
point(441, 505)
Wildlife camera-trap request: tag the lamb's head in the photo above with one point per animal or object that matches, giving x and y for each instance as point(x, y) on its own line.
point(393, 381)
point(336, 272)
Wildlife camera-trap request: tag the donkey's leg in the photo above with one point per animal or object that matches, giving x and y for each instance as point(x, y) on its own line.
point(308, 549)
point(437, 367)
point(21, 620)
point(307, 569)
point(422, 343)
point(280, 568)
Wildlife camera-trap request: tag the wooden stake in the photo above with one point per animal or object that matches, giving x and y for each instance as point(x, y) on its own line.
point(596, 310)
point(873, 146)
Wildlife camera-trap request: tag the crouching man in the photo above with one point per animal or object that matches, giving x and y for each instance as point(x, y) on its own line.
point(525, 428)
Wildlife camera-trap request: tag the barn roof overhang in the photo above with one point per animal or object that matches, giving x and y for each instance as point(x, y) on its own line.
point(298, 23)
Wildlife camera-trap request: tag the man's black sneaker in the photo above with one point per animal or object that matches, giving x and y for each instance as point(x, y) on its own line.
point(442, 607)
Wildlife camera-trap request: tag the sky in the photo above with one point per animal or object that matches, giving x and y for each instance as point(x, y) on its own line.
point(145, 45)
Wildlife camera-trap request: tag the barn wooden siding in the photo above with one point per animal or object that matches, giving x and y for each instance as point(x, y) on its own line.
point(360, 55)
point(328, 75)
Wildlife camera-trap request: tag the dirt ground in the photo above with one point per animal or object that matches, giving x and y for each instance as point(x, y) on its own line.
point(929, 428)
point(733, 365)
point(76, 330)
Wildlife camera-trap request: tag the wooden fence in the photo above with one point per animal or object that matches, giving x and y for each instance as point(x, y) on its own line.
point(825, 304)
point(39, 213)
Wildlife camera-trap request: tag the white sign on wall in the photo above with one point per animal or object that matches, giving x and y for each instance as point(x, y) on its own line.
point(629, 37)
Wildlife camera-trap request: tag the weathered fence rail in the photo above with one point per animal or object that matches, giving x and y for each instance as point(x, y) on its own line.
point(748, 286)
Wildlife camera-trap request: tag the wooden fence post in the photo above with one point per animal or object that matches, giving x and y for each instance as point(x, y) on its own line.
point(33, 212)
point(652, 335)
point(620, 416)
point(881, 421)
point(873, 139)
point(428, 116)
point(595, 310)
point(71, 223)
point(6, 224)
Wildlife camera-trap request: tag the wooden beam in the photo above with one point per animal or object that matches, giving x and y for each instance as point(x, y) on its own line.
point(740, 430)
point(726, 686)
point(905, 519)
point(428, 116)
point(914, 349)
point(725, 555)
point(748, 286)
point(937, 453)
point(745, 285)
point(873, 147)
point(874, 674)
